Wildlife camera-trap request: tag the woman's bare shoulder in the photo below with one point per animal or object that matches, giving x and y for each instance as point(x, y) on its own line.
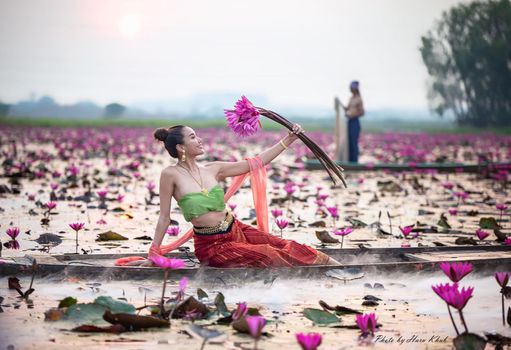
point(169, 172)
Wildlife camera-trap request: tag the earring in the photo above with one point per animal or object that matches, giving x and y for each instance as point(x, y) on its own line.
point(183, 157)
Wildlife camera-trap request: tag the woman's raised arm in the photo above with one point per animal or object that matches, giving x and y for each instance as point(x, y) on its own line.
point(228, 169)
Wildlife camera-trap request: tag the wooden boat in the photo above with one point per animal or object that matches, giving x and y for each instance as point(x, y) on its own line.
point(356, 261)
point(314, 164)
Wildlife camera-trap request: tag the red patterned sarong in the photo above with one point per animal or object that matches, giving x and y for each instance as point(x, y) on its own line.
point(246, 246)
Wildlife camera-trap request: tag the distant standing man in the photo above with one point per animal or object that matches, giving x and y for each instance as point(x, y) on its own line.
point(354, 110)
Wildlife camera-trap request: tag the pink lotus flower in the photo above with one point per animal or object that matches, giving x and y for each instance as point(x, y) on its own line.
point(453, 211)
point(244, 118)
point(282, 223)
point(240, 311)
point(183, 282)
point(456, 298)
point(232, 206)
point(172, 231)
point(481, 234)
point(120, 198)
point(101, 222)
point(343, 231)
point(456, 271)
point(102, 194)
point(406, 230)
point(166, 263)
point(461, 195)
point(77, 226)
point(31, 197)
point(323, 196)
point(276, 213)
point(255, 325)
point(334, 211)
point(441, 289)
point(73, 170)
point(54, 186)
point(50, 205)
point(13, 232)
point(501, 206)
point(150, 186)
point(448, 185)
point(502, 278)
point(366, 323)
point(290, 188)
point(309, 341)
point(507, 241)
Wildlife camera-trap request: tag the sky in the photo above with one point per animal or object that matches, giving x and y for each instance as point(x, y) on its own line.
point(285, 52)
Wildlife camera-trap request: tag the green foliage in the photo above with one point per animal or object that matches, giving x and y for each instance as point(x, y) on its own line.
point(468, 58)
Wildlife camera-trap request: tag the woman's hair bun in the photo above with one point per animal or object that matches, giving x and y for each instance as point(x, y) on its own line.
point(161, 134)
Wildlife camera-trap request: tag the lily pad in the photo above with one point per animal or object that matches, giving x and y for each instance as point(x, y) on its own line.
point(325, 237)
point(320, 317)
point(339, 310)
point(67, 302)
point(110, 236)
point(49, 238)
point(356, 223)
point(115, 305)
point(134, 322)
point(469, 341)
point(489, 223)
point(319, 223)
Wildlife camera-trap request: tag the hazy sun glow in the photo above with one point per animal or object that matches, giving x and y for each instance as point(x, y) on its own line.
point(129, 25)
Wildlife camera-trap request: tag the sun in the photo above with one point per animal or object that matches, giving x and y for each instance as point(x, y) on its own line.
point(129, 25)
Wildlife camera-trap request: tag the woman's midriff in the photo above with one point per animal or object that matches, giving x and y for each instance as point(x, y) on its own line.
point(212, 218)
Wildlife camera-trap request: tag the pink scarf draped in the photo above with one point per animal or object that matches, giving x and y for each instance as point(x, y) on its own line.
point(258, 183)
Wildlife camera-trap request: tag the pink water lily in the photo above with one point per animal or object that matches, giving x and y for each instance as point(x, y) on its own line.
point(77, 226)
point(309, 341)
point(244, 118)
point(448, 185)
point(232, 206)
point(173, 231)
point(276, 213)
point(481, 234)
point(255, 325)
point(366, 323)
point(240, 311)
point(282, 223)
point(451, 294)
point(102, 194)
point(343, 231)
point(453, 211)
point(167, 263)
point(120, 198)
point(502, 278)
point(13, 232)
point(456, 271)
point(502, 207)
point(151, 186)
point(334, 212)
point(183, 282)
point(406, 230)
point(290, 188)
point(50, 205)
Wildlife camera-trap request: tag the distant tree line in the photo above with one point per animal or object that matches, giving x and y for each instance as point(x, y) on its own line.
point(468, 58)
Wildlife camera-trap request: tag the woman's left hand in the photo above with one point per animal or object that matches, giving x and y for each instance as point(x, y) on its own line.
point(297, 129)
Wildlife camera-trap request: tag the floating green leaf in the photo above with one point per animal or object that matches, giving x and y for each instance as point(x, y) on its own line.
point(320, 317)
point(67, 302)
point(110, 236)
point(489, 223)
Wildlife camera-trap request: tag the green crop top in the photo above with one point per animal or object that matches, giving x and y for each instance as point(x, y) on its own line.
point(196, 203)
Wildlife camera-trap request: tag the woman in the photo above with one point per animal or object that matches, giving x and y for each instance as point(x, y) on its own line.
point(354, 110)
point(220, 239)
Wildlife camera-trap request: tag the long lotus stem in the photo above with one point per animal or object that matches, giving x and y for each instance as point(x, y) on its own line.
point(452, 320)
point(76, 242)
point(463, 321)
point(165, 276)
point(203, 343)
point(503, 320)
point(329, 165)
point(255, 344)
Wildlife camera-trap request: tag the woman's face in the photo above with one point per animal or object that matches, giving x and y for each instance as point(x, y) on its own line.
point(192, 143)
